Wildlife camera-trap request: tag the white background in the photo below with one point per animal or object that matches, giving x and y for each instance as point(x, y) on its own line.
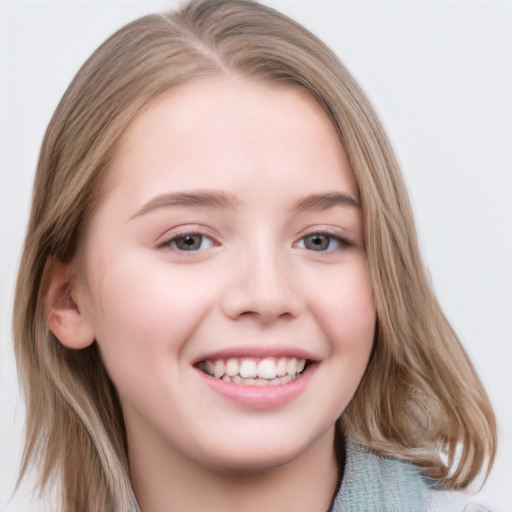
point(439, 73)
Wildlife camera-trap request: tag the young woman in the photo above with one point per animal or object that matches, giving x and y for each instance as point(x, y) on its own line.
point(221, 303)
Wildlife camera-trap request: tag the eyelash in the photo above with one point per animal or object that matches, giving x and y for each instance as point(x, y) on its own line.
point(342, 242)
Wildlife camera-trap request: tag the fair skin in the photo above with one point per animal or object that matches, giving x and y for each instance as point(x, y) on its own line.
point(231, 231)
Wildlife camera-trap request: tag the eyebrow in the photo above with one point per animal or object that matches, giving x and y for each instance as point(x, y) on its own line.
point(197, 198)
point(325, 201)
point(224, 201)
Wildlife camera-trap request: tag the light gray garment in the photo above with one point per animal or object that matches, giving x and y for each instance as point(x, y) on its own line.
point(372, 483)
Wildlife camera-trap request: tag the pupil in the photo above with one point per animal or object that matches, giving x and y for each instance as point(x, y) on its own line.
point(189, 242)
point(318, 242)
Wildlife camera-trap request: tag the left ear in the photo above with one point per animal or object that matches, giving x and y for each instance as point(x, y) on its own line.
point(62, 313)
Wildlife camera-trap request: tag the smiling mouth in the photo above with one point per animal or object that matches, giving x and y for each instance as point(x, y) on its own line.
point(270, 371)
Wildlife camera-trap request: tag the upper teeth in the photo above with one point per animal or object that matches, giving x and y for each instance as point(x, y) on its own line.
point(250, 368)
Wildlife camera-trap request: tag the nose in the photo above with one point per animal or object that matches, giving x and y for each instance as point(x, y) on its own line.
point(262, 286)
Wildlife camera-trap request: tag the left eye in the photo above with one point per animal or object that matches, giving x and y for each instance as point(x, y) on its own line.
point(320, 242)
point(189, 242)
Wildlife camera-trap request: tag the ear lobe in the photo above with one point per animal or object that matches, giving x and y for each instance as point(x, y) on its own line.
point(62, 314)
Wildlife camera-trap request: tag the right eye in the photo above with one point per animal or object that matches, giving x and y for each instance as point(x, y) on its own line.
point(188, 242)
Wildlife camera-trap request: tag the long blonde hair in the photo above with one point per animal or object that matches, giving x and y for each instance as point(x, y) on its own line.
point(420, 398)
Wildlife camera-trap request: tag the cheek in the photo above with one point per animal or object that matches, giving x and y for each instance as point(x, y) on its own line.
point(139, 311)
point(345, 309)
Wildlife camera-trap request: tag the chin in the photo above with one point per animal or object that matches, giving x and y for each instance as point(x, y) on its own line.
point(259, 453)
point(250, 463)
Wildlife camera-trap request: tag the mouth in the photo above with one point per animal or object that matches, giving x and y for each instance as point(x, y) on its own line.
point(269, 371)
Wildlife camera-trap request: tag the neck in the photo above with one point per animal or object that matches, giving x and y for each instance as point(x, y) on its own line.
point(165, 479)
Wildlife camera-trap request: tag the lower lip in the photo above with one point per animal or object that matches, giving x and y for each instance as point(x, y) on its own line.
point(259, 397)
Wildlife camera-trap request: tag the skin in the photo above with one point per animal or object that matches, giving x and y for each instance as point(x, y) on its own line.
point(253, 285)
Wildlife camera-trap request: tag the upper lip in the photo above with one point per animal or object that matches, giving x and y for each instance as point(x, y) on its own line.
point(258, 352)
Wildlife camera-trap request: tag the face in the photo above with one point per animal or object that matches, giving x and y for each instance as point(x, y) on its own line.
point(224, 277)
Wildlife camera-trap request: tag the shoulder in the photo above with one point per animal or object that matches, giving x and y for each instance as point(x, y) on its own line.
point(375, 483)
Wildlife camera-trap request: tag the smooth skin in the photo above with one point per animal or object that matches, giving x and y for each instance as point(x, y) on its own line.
point(231, 225)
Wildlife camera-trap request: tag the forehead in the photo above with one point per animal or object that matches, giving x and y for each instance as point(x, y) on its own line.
point(221, 131)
